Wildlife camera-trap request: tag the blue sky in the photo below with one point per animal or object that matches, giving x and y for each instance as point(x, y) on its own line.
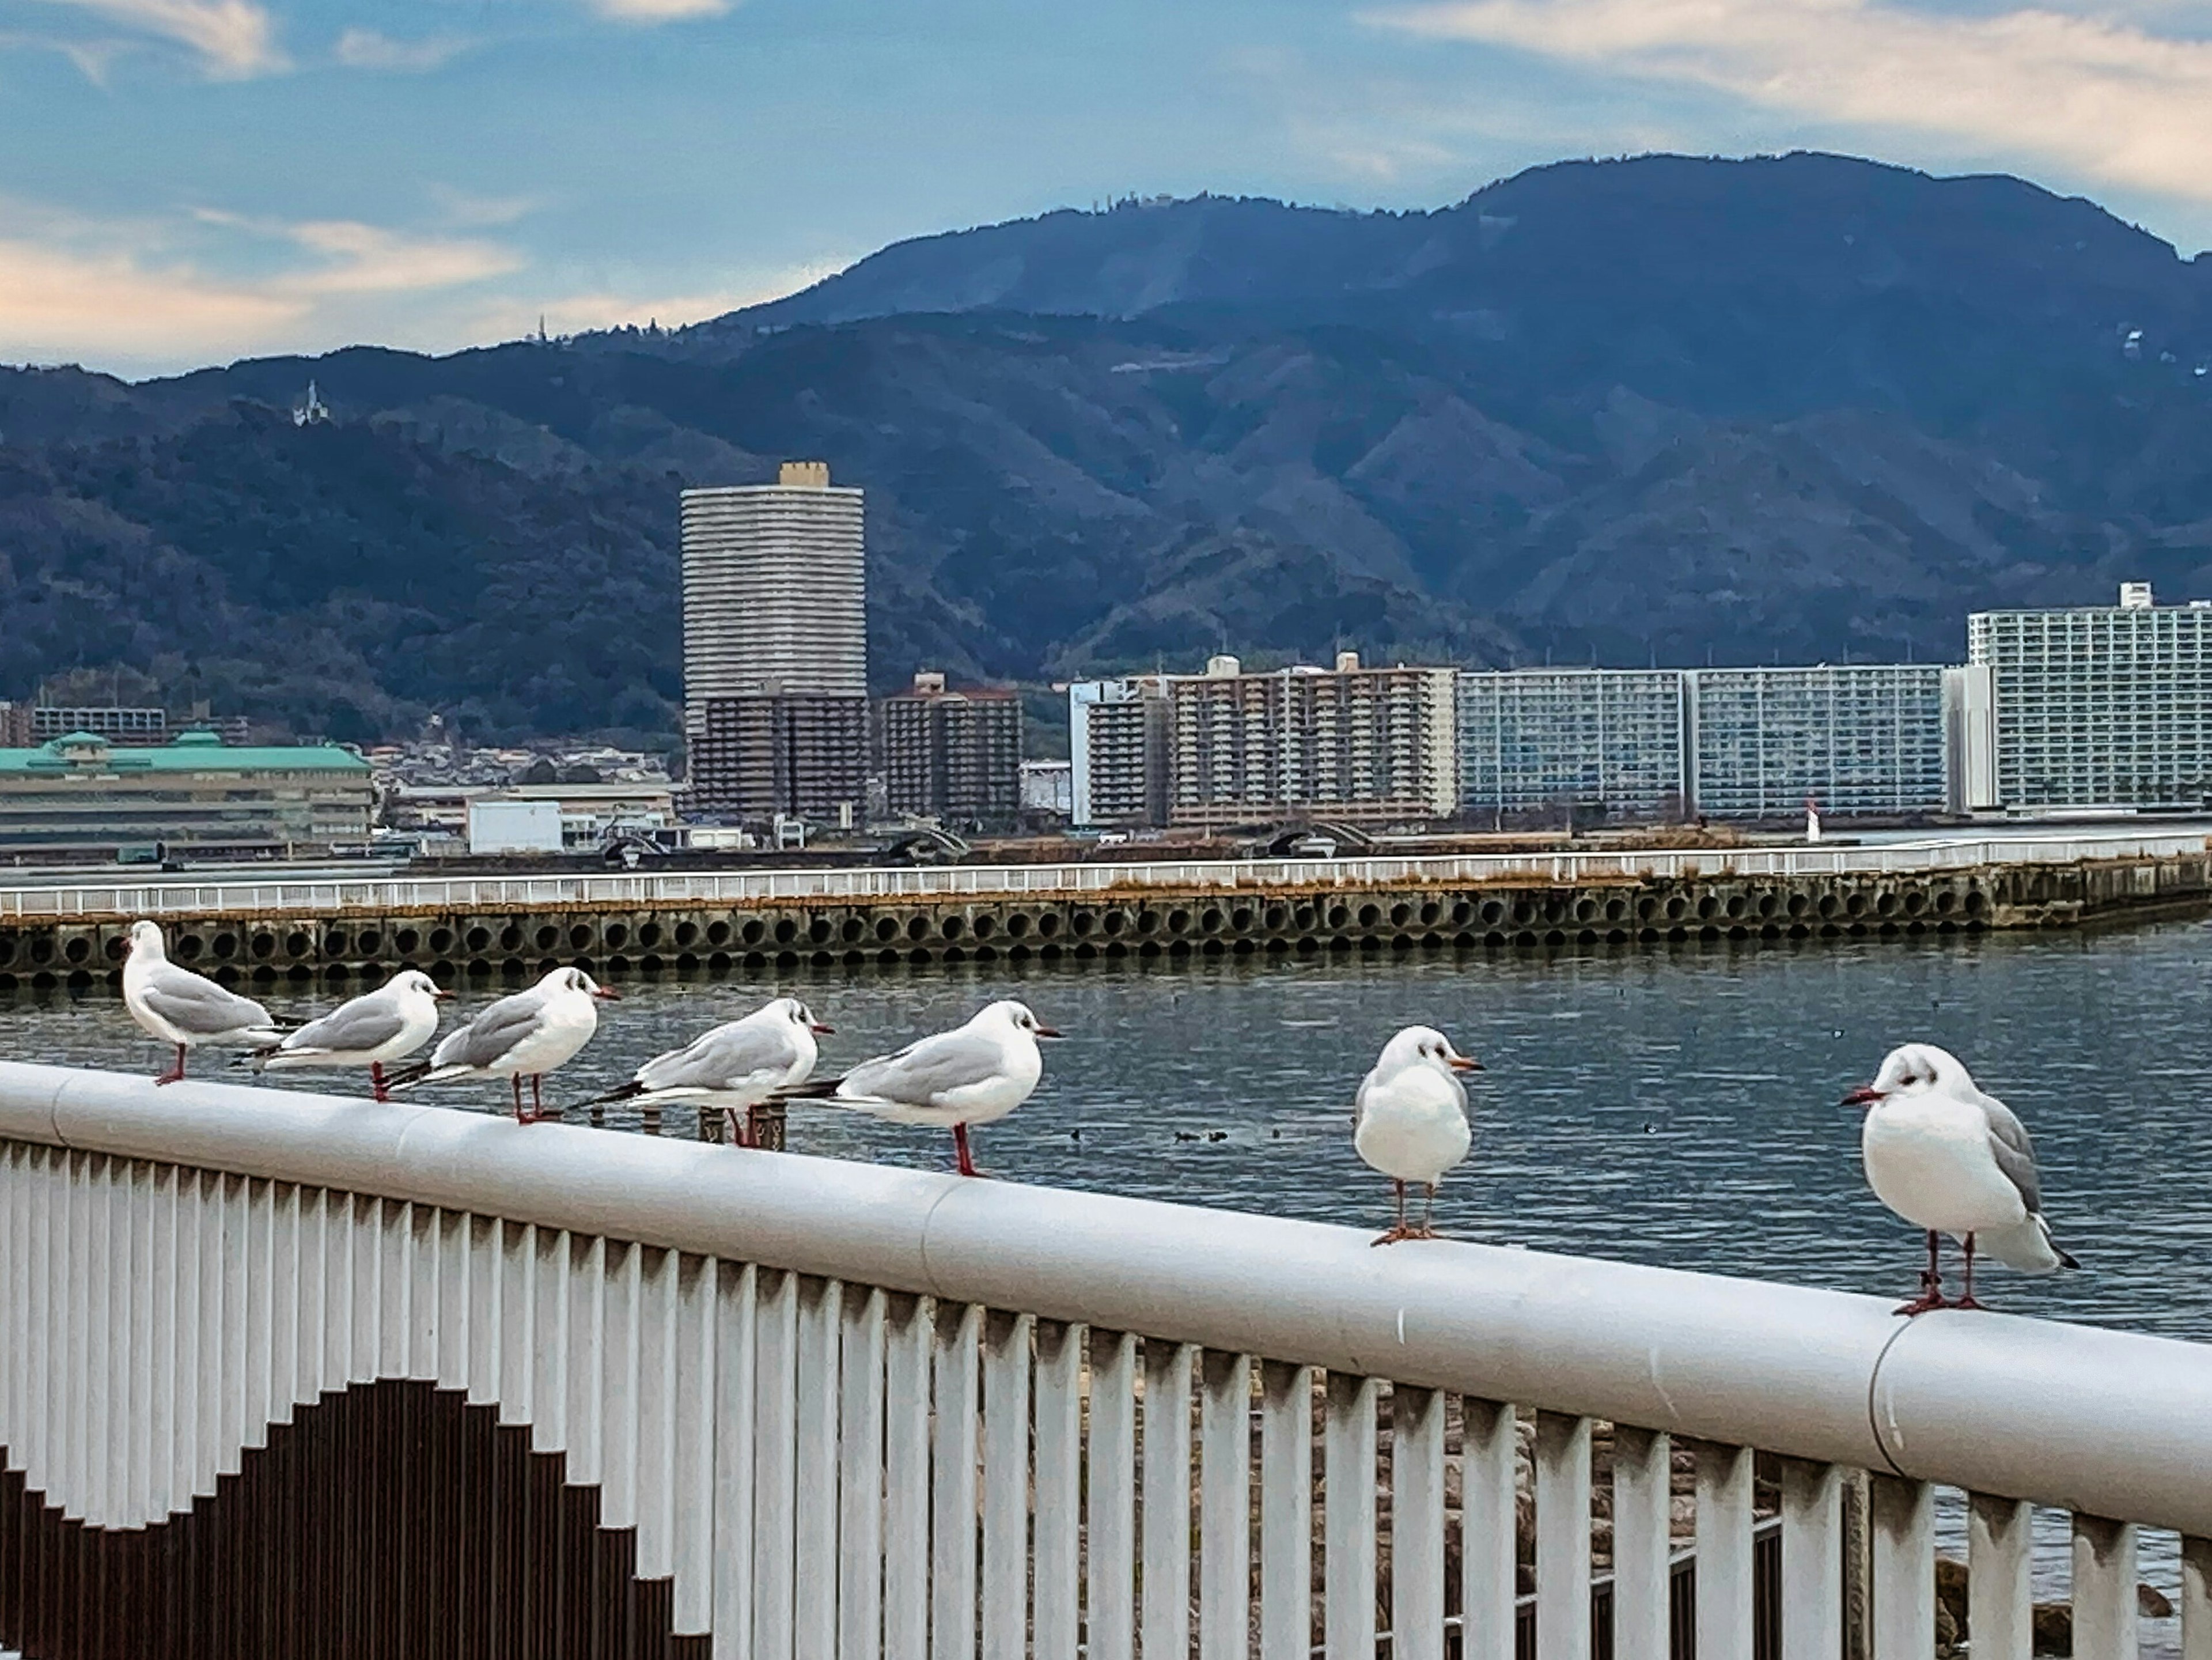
point(194, 180)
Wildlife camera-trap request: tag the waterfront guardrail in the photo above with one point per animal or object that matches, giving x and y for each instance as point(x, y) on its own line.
point(848, 1410)
point(446, 895)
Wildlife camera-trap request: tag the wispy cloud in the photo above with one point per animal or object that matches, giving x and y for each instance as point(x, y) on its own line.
point(2111, 100)
point(369, 49)
point(234, 40)
point(659, 11)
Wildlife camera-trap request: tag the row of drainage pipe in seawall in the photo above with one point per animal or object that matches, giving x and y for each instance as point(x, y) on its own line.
point(245, 952)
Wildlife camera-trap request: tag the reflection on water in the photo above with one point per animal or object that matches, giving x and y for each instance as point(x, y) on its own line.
point(1672, 1106)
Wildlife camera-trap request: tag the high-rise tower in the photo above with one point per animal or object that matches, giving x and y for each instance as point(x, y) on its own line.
point(775, 646)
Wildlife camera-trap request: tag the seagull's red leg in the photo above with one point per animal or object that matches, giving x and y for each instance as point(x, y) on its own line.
point(175, 1075)
point(536, 1096)
point(1967, 1301)
point(514, 1083)
point(1428, 1228)
point(376, 1081)
point(960, 1148)
point(1931, 1282)
point(1398, 1230)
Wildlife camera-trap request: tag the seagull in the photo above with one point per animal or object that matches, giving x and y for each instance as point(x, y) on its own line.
point(1950, 1160)
point(1409, 1119)
point(388, 1023)
point(183, 1008)
point(974, 1075)
point(525, 1036)
point(735, 1067)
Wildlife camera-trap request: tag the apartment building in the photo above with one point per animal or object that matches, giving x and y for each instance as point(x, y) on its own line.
point(953, 755)
point(1856, 739)
point(1533, 740)
point(1120, 733)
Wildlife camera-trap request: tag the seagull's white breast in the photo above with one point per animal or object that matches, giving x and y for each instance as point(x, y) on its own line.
point(1413, 1125)
point(1928, 1158)
point(566, 1025)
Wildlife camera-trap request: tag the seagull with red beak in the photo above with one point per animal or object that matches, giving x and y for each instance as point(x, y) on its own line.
point(734, 1067)
point(525, 1036)
point(1409, 1119)
point(1950, 1160)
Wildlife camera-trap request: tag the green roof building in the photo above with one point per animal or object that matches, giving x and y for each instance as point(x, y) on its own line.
point(79, 796)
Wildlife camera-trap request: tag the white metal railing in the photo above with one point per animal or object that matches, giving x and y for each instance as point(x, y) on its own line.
point(867, 1411)
point(446, 895)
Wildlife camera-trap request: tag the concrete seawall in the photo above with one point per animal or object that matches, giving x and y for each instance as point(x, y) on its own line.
point(237, 944)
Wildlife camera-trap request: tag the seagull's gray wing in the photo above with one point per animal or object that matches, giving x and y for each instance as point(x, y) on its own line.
point(351, 1029)
point(492, 1033)
point(192, 1003)
point(2015, 1151)
point(728, 1057)
point(922, 1074)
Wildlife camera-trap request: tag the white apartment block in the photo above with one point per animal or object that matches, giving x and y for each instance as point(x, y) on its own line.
point(2101, 705)
point(1536, 738)
point(1855, 738)
point(1118, 744)
point(1373, 745)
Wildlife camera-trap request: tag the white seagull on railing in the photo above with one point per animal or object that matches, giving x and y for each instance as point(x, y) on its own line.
point(1950, 1160)
point(378, 1027)
point(186, 1009)
point(1409, 1119)
point(735, 1067)
point(525, 1036)
point(974, 1075)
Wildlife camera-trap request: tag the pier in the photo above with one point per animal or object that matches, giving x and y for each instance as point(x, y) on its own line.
point(287, 1375)
point(251, 931)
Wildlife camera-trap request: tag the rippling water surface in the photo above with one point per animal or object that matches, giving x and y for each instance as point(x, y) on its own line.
point(1672, 1106)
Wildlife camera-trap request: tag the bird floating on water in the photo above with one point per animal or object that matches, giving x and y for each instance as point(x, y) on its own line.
point(974, 1075)
point(387, 1024)
point(525, 1036)
point(185, 1010)
point(1950, 1160)
point(735, 1067)
point(1409, 1119)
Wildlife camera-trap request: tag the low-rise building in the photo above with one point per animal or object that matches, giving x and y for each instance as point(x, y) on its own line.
point(1048, 789)
point(81, 796)
point(954, 756)
point(587, 812)
point(1378, 744)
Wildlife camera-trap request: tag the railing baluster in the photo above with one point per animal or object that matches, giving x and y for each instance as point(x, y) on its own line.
point(1489, 1528)
point(2000, 1615)
point(1723, 1539)
point(2105, 1608)
point(425, 1294)
point(72, 1398)
point(775, 1409)
point(216, 1315)
point(735, 1372)
point(481, 1244)
point(1417, 1523)
point(616, 1376)
point(1166, 1579)
point(1643, 1517)
point(861, 1495)
point(909, 1343)
point(395, 1225)
point(1005, 1485)
point(658, 1475)
point(1225, 1565)
point(1110, 1577)
point(1286, 1406)
point(814, 1499)
point(1348, 1516)
point(952, 1530)
point(146, 1380)
point(2195, 1599)
point(1903, 1538)
point(285, 1200)
point(698, 1346)
point(97, 1315)
point(580, 1341)
point(368, 1297)
point(1056, 1622)
point(1563, 1537)
point(1812, 1561)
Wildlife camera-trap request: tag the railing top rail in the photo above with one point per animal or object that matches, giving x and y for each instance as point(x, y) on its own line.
point(282, 895)
point(2103, 1422)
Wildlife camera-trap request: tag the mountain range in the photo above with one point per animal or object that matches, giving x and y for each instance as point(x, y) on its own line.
point(1667, 409)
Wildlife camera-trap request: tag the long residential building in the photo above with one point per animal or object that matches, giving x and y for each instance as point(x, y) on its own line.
point(1532, 739)
point(775, 646)
point(1855, 737)
point(2100, 705)
point(1374, 745)
point(79, 795)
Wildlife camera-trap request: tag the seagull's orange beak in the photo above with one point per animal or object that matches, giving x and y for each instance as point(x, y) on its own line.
point(1463, 1063)
point(604, 995)
point(1864, 1096)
